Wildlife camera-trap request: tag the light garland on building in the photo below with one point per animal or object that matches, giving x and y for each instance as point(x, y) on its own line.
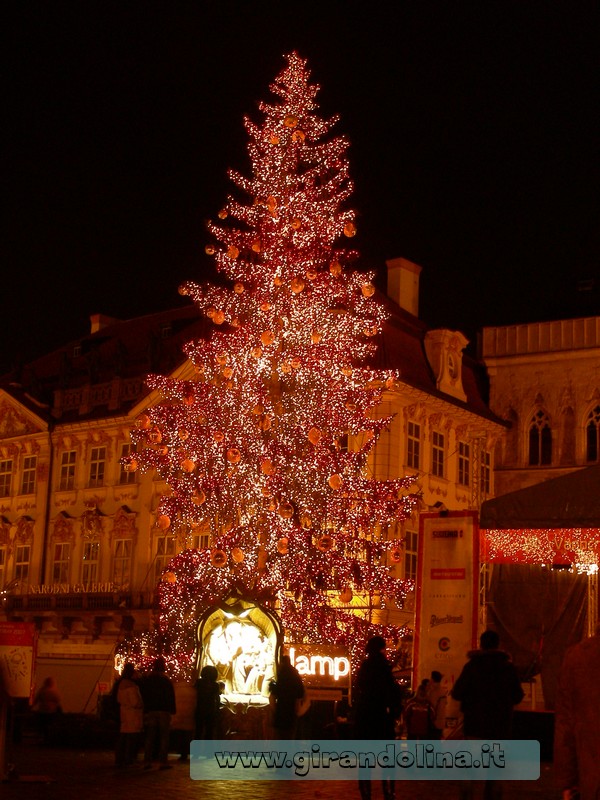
point(577, 549)
point(253, 447)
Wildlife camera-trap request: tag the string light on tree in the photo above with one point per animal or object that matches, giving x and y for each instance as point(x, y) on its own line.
point(250, 446)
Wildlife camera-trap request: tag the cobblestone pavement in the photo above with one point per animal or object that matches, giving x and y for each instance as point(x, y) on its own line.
point(69, 774)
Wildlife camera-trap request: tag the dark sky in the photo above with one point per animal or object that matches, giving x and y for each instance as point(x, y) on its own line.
point(473, 130)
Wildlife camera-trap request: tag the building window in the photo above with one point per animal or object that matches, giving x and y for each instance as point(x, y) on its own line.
point(60, 564)
point(67, 470)
point(22, 557)
point(165, 551)
point(97, 466)
point(464, 463)
point(437, 454)
point(540, 440)
point(126, 475)
point(486, 473)
point(201, 541)
point(122, 562)
point(410, 555)
point(29, 471)
point(593, 435)
point(413, 451)
point(91, 559)
point(5, 477)
point(2, 566)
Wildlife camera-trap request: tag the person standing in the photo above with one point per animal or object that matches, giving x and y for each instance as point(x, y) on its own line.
point(131, 716)
point(488, 689)
point(158, 696)
point(577, 721)
point(287, 690)
point(48, 706)
point(377, 705)
point(208, 702)
point(419, 716)
point(437, 696)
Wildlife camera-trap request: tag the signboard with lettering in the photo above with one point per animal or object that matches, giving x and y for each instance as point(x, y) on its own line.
point(447, 594)
point(17, 656)
point(321, 666)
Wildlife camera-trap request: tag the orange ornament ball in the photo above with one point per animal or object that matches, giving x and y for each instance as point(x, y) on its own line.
point(290, 121)
point(267, 467)
point(311, 274)
point(218, 558)
point(238, 555)
point(238, 287)
point(315, 435)
point(367, 289)
point(169, 577)
point(233, 455)
point(223, 213)
point(233, 252)
point(143, 422)
point(227, 372)
point(267, 338)
point(296, 224)
point(286, 510)
point(325, 542)
point(274, 139)
point(283, 545)
point(132, 466)
point(187, 465)
point(335, 268)
point(210, 250)
point(298, 135)
point(297, 285)
point(346, 595)
point(256, 246)
point(218, 317)
point(349, 229)
point(198, 497)
point(163, 522)
point(335, 481)
point(316, 337)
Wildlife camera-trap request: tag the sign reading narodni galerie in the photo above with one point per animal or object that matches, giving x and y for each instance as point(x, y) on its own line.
point(320, 665)
point(447, 593)
point(17, 653)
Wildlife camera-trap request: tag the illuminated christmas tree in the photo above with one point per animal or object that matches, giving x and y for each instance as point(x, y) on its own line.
point(265, 447)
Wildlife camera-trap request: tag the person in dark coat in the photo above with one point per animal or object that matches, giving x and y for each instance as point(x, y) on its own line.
point(158, 695)
point(577, 721)
point(488, 689)
point(377, 705)
point(208, 702)
point(286, 690)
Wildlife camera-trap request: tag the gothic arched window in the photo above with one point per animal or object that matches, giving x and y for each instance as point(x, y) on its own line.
point(540, 440)
point(592, 435)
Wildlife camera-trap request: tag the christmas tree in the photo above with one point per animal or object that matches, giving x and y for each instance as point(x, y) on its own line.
point(265, 448)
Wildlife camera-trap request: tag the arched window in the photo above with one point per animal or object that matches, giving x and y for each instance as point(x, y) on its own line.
point(592, 435)
point(540, 440)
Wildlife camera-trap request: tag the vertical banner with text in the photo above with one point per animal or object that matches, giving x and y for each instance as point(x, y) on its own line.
point(17, 657)
point(447, 593)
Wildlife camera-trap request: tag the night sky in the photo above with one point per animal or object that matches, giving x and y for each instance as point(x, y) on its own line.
point(473, 130)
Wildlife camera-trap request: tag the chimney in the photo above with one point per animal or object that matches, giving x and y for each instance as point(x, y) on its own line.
point(100, 321)
point(403, 284)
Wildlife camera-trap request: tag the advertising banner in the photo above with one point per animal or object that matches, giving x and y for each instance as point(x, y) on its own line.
point(447, 593)
point(17, 656)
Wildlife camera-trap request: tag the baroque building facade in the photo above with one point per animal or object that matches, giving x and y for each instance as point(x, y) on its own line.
point(545, 383)
point(80, 551)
